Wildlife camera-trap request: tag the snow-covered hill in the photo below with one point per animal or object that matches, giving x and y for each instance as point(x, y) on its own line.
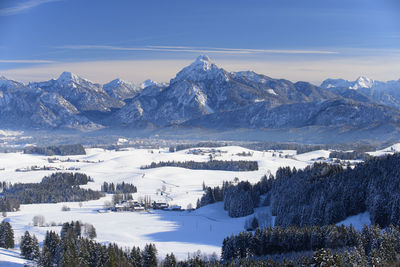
point(180, 232)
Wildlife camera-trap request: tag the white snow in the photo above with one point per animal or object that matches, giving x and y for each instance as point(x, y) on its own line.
point(147, 83)
point(180, 232)
point(388, 150)
point(358, 221)
point(313, 155)
point(11, 257)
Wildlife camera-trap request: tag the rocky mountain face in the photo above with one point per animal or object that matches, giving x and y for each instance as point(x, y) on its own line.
point(82, 93)
point(200, 95)
point(386, 93)
point(203, 88)
point(24, 107)
point(121, 90)
point(339, 112)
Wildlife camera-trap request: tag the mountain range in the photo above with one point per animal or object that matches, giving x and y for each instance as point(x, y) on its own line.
point(200, 95)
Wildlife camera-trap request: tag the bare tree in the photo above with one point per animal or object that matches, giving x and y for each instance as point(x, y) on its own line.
point(147, 202)
point(90, 231)
point(107, 205)
point(38, 220)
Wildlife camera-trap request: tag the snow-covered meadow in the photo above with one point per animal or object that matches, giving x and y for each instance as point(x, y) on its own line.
point(181, 232)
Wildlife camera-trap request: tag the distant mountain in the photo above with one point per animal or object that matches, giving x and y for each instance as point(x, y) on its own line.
point(150, 82)
point(25, 107)
point(340, 112)
point(82, 93)
point(121, 89)
point(203, 88)
point(386, 93)
point(203, 95)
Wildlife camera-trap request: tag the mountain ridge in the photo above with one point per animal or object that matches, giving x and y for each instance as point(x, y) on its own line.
point(200, 95)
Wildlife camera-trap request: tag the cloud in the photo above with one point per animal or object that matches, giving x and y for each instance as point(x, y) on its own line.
point(190, 49)
point(24, 6)
point(26, 61)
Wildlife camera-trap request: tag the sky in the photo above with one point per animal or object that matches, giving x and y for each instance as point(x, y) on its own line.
point(308, 40)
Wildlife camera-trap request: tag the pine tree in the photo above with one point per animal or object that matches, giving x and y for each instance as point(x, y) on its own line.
point(29, 247)
point(50, 246)
point(149, 256)
point(26, 245)
point(45, 259)
point(135, 257)
point(169, 261)
point(77, 229)
point(6, 235)
point(35, 248)
point(9, 236)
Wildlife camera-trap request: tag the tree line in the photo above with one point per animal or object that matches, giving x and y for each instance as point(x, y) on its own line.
point(58, 187)
point(222, 165)
point(328, 245)
point(201, 144)
point(353, 155)
point(119, 188)
point(320, 194)
point(62, 150)
point(369, 247)
point(324, 194)
point(240, 198)
point(304, 148)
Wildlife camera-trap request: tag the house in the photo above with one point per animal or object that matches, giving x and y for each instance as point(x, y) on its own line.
point(174, 208)
point(160, 205)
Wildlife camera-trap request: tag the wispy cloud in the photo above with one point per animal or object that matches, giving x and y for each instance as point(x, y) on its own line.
point(313, 70)
point(27, 61)
point(24, 6)
point(190, 49)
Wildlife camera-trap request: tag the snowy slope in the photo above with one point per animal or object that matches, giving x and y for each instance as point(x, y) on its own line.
point(358, 221)
point(180, 232)
point(11, 257)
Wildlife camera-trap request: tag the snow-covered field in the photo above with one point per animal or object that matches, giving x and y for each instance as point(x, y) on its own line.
point(179, 232)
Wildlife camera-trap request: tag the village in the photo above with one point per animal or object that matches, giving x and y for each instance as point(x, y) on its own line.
point(136, 206)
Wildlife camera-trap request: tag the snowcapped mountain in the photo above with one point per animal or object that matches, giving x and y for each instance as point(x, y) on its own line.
point(121, 89)
point(150, 82)
point(200, 95)
point(25, 107)
point(386, 93)
point(82, 93)
point(339, 112)
point(361, 82)
point(203, 88)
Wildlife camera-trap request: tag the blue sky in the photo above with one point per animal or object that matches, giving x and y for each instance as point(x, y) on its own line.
point(135, 40)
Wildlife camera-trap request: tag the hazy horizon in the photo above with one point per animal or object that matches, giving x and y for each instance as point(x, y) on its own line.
point(308, 41)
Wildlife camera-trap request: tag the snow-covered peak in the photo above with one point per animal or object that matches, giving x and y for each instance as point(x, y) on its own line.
point(118, 82)
point(4, 82)
point(203, 62)
point(336, 83)
point(252, 76)
point(66, 77)
point(147, 83)
point(201, 69)
point(362, 82)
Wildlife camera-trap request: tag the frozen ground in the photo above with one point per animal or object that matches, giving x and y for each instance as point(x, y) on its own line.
point(11, 257)
point(184, 186)
point(358, 221)
point(179, 232)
